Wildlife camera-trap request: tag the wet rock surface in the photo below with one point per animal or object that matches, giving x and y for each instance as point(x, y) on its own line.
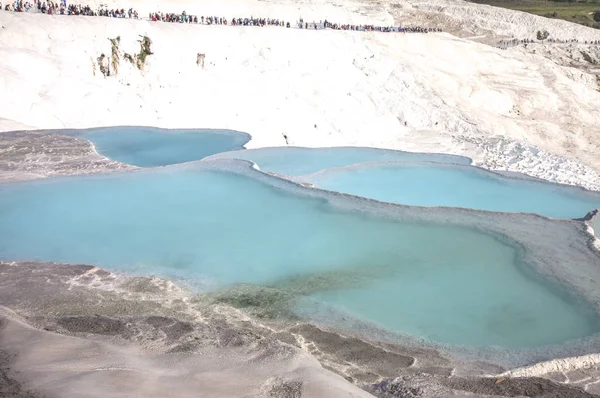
point(28, 155)
point(285, 389)
point(9, 386)
point(361, 354)
point(95, 325)
point(516, 387)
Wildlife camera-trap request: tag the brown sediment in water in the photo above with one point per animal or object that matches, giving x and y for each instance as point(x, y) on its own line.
point(276, 300)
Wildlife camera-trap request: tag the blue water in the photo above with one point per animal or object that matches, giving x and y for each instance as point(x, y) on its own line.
point(429, 184)
point(216, 228)
point(403, 182)
point(150, 147)
point(295, 161)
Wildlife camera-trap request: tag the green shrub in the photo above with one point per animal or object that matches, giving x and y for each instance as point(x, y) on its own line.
point(139, 60)
point(542, 35)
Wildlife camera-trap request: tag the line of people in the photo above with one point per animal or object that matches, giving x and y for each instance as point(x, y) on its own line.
point(516, 42)
point(363, 28)
point(52, 8)
point(55, 8)
point(213, 20)
point(301, 24)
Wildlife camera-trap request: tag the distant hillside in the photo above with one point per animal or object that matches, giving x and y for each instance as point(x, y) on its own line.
point(586, 12)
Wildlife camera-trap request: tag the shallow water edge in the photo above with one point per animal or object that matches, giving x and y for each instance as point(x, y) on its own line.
point(118, 328)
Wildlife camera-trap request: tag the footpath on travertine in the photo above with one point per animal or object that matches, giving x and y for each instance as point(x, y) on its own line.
point(51, 8)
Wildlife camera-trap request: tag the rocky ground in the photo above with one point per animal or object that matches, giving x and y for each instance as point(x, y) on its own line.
point(28, 155)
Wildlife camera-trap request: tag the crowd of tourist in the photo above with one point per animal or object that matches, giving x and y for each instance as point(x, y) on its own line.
point(369, 28)
point(61, 8)
point(212, 20)
point(515, 42)
point(596, 42)
point(54, 8)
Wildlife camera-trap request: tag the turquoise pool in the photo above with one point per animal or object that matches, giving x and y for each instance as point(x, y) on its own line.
point(297, 161)
point(217, 228)
point(435, 184)
point(151, 147)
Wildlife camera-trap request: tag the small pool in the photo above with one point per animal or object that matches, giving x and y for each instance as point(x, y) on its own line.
point(151, 147)
point(418, 179)
point(296, 161)
point(431, 184)
point(217, 228)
